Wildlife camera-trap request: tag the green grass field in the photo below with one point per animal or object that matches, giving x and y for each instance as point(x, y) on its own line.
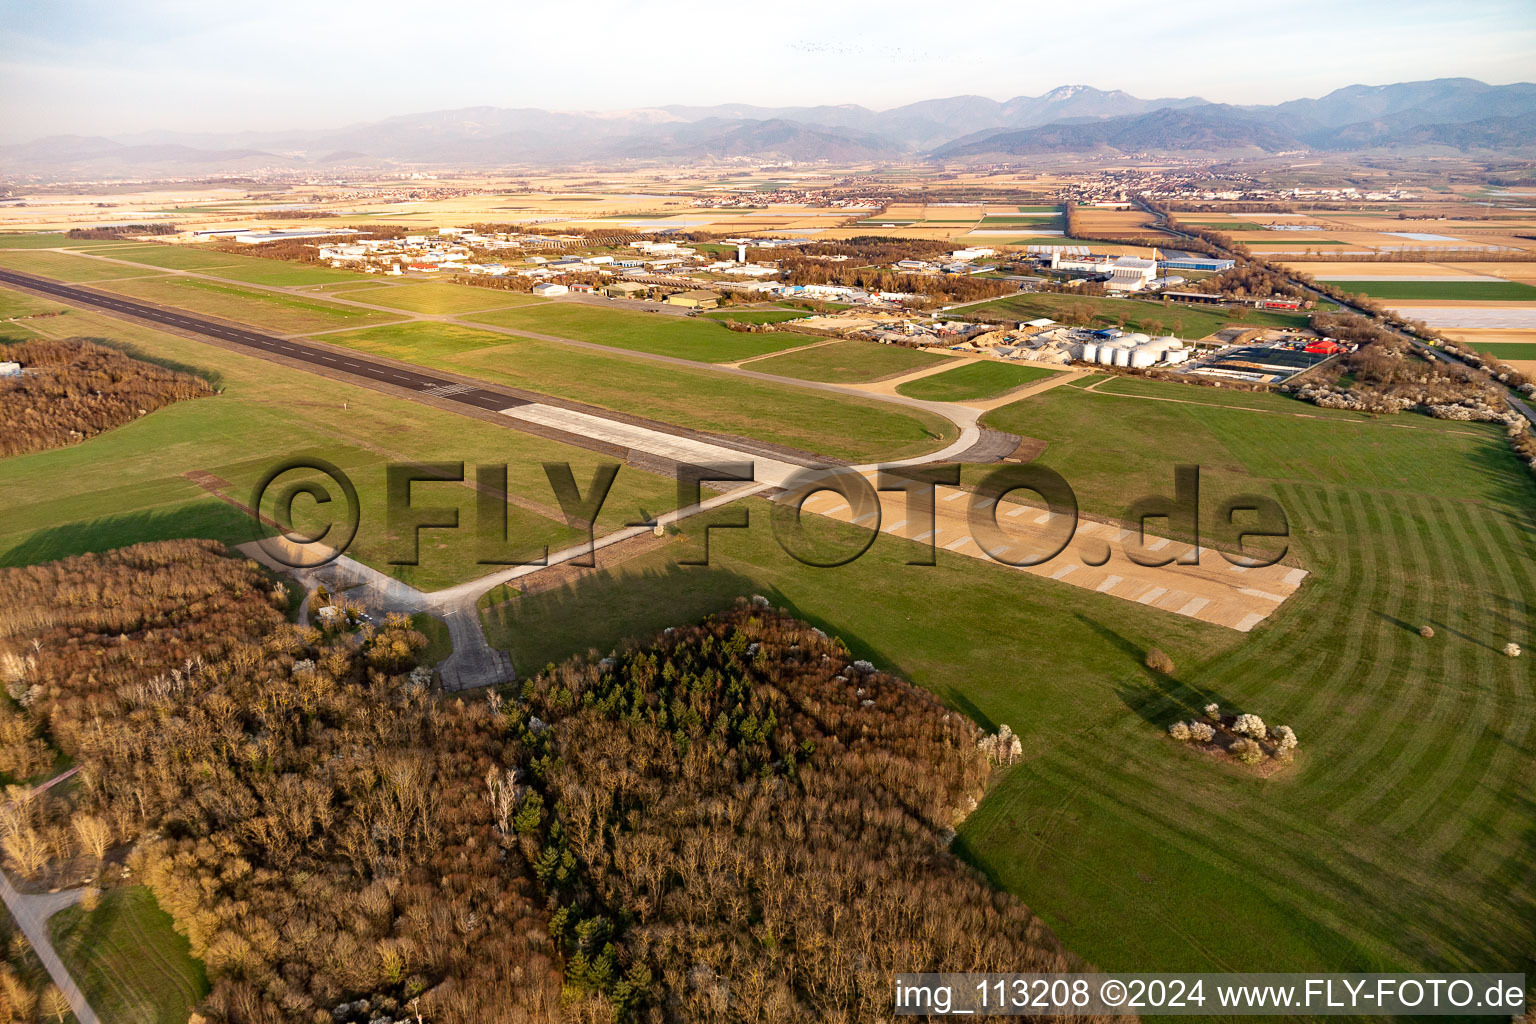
point(438, 297)
point(231, 265)
point(131, 964)
point(756, 316)
point(51, 240)
point(1133, 314)
point(60, 502)
point(662, 334)
point(1263, 401)
point(68, 267)
point(14, 304)
point(1508, 349)
point(270, 311)
point(977, 379)
point(1400, 838)
point(1468, 291)
point(845, 362)
point(704, 399)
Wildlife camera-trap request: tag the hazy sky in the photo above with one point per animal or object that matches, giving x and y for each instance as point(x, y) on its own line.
point(109, 67)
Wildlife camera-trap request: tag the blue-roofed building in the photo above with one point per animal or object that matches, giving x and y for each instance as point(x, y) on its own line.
point(1197, 263)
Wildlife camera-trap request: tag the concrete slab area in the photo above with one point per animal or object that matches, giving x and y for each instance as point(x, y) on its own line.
point(1209, 591)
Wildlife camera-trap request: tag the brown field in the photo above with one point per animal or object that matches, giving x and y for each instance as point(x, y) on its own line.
point(1100, 223)
point(1488, 336)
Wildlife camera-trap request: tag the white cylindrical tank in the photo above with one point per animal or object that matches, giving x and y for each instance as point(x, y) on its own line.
point(1122, 357)
point(1090, 353)
point(1143, 358)
point(1176, 355)
point(1138, 338)
point(1106, 355)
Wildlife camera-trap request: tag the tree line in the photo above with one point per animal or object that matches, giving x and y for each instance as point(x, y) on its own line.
point(736, 822)
point(74, 389)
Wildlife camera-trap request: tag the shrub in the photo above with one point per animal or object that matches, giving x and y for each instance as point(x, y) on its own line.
point(1513, 650)
point(1157, 661)
point(1002, 747)
point(1426, 632)
point(1285, 739)
point(1247, 751)
point(1179, 731)
point(1250, 725)
point(1201, 732)
point(1213, 712)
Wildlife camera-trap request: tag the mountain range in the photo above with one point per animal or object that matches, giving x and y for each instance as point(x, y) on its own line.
point(1457, 114)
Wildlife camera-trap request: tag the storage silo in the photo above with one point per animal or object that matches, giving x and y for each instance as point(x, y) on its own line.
point(1143, 357)
point(1107, 354)
point(1090, 352)
point(1122, 357)
point(1176, 355)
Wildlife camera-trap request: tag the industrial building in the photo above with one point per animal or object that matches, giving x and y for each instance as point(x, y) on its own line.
point(1122, 273)
point(1205, 263)
point(697, 298)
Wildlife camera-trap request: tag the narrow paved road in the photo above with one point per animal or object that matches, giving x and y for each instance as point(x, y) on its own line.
point(31, 912)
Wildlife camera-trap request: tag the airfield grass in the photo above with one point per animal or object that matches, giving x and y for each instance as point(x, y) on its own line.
point(197, 259)
point(130, 963)
point(658, 333)
point(976, 379)
point(757, 316)
point(1468, 291)
point(845, 362)
point(1399, 838)
point(234, 266)
point(51, 240)
point(24, 304)
point(64, 266)
point(1133, 314)
point(846, 428)
point(270, 311)
point(440, 297)
point(60, 502)
point(1263, 401)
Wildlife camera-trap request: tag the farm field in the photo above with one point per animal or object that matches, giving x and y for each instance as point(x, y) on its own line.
point(846, 362)
point(59, 503)
point(270, 311)
point(1149, 317)
point(976, 379)
point(131, 964)
point(1452, 291)
point(1108, 830)
point(658, 333)
point(1363, 270)
point(837, 426)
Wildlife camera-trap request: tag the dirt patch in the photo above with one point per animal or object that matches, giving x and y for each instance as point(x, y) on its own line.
point(1028, 450)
